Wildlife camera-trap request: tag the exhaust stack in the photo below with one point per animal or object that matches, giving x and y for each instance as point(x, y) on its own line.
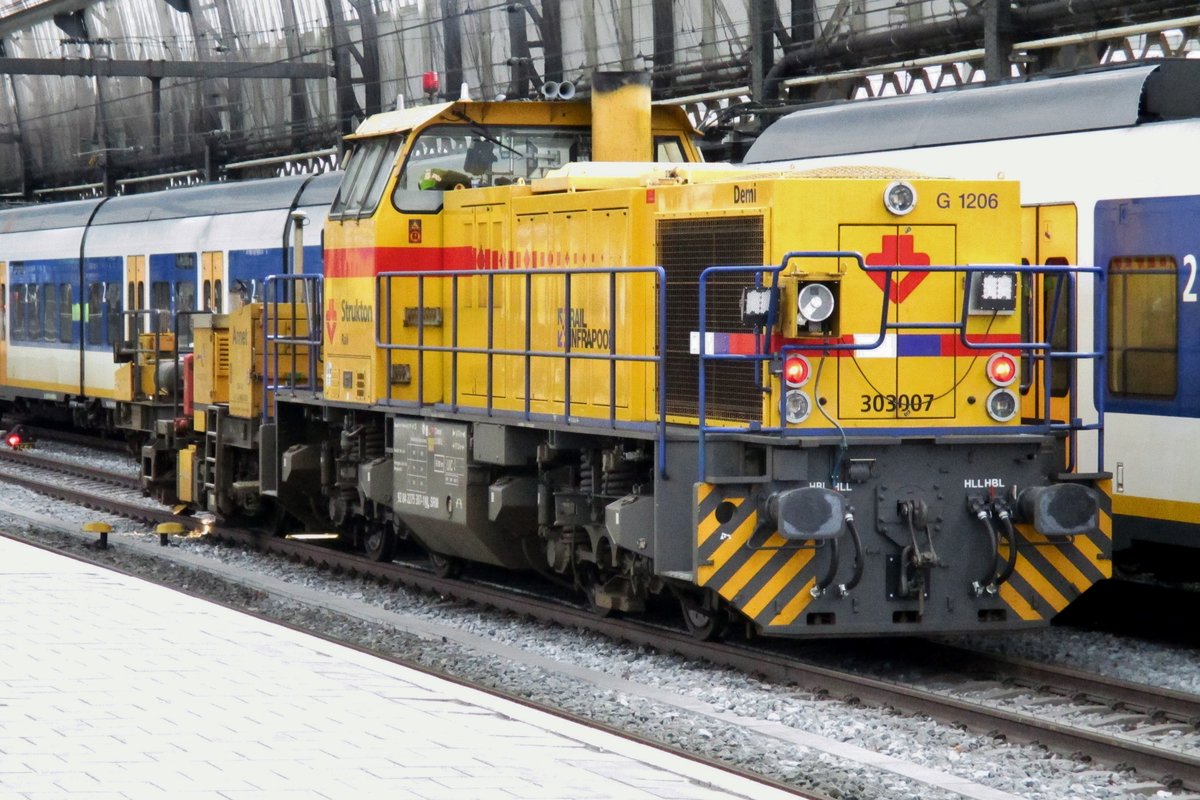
point(621, 117)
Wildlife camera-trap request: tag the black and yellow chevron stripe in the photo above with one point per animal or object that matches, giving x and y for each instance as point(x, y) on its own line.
point(768, 580)
point(1049, 575)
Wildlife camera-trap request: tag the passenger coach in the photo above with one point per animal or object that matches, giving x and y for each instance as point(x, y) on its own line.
point(81, 282)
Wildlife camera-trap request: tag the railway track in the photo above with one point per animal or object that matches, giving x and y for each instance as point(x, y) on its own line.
point(1114, 722)
point(91, 487)
point(1117, 723)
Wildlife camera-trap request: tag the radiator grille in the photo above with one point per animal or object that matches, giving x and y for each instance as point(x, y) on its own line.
point(686, 248)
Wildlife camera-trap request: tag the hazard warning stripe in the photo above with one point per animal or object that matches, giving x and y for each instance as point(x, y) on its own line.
point(727, 549)
point(795, 607)
point(778, 582)
point(1040, 583)
point(752, 567)
point(1020, 605)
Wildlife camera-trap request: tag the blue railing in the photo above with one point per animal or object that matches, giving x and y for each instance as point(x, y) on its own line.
point(1038, 350)
point(303, 295)
point(385, 283)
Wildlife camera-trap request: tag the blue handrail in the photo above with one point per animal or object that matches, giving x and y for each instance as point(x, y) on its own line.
point(384, 282)
point(1042, 350)
point(278, 289)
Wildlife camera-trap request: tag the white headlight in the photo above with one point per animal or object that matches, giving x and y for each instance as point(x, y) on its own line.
point(900, 197)
point(797, 406)
point(814, 302)
point(1002, 405)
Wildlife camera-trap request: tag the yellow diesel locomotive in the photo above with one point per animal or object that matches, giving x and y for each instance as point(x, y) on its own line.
point(547, 338)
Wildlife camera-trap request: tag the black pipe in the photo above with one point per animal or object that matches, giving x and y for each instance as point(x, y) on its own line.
point(845, 588)
point(1011, 535)
point(827, 581)
point(981, 513)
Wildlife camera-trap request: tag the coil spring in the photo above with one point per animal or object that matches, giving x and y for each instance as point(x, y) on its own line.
point(615, 482)
point(372, 443)
point(586, 473)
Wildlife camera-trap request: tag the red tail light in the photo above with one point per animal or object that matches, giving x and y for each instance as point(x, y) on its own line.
point(14, 440)
point(796, 370)
point(1001, 369)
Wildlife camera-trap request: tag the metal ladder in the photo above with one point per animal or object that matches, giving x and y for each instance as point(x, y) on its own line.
point(212, 445)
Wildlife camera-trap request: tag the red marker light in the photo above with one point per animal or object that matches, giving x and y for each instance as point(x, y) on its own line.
point(14, 440)
point(1001, 369)
point(429, 82)
point(795, 370)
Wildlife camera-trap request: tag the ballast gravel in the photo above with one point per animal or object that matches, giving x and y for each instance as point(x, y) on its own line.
point(1022, 771)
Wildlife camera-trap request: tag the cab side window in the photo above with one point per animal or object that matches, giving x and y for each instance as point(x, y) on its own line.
point(367, 174)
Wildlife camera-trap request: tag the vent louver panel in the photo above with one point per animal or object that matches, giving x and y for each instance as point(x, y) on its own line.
point(686, 248)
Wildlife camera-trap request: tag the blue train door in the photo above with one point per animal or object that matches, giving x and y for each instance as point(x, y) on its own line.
point(1149, 249)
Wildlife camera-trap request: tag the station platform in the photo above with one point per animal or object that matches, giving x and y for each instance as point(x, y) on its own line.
point(112, 687)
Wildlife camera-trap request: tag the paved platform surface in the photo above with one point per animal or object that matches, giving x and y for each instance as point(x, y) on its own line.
point(111, 687)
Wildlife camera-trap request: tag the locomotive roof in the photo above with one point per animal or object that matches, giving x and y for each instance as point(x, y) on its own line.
point(1113, 98)
point(211, 199)
point(192, 201)
point(549, 113)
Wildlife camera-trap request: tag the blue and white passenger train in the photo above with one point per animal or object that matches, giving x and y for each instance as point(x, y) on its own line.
point(64, 321)
point(1109, 174)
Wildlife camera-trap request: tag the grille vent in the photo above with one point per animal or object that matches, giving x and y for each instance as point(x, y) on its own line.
point(686, 248)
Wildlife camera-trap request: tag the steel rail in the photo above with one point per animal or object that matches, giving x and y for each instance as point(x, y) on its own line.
point(30, 459)
point(89, 497)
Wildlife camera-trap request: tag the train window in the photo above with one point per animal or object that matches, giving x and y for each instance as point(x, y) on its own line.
point(66, 313)
point(446, 156)
point(1143, 326)
point(49, 321)
point(367, 174)
point(185, 300)
point(216, 296)
point(33, 311)
point(160, 301)
point(112, 305)
point(18, 313)
point(95, 313)
point(669, 149)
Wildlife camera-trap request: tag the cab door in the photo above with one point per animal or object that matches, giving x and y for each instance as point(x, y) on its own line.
point(1049, 237)
point(135, 296)
point(212, 280)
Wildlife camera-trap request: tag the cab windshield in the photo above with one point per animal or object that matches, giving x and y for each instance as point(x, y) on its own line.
point(449, 156)
point(368, 169)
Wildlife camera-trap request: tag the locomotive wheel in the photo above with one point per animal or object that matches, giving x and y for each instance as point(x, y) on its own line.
point(380, 543)
point(588, 579)
point(446, 566)
point(592, 589)
point(702, 623)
